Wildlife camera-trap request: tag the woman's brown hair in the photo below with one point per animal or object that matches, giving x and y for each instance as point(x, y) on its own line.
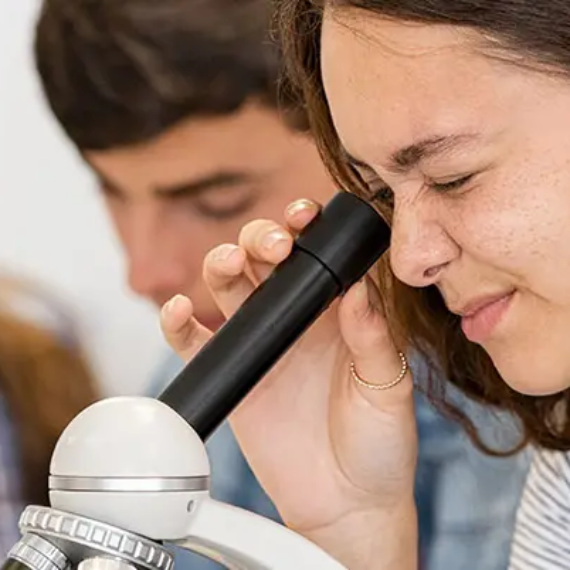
point(44, 378)
point(530, 31)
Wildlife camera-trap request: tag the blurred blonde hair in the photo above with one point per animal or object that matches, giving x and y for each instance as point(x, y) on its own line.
point(45, 378)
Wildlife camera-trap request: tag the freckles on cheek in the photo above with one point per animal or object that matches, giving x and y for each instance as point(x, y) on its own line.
point(511, 226)
point(495, 226)
point(486, 228)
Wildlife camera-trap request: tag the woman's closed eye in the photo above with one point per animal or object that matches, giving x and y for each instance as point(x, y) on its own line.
point(385, 195)
point(450, 185)
point(382, 194)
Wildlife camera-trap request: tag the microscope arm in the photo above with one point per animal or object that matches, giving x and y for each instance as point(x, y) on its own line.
point(242, 540)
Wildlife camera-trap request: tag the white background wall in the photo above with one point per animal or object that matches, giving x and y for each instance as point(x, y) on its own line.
point(52, 226)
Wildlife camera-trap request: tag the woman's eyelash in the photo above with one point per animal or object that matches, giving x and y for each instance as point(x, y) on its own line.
point(383, 195)
point(452, 185)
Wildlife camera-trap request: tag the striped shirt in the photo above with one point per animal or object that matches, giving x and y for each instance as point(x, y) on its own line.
point(542, 534)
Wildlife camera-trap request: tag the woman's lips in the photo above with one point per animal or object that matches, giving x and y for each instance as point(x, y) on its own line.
point(479, 323)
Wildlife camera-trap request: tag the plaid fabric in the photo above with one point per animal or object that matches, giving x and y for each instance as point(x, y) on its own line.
point(10, 503)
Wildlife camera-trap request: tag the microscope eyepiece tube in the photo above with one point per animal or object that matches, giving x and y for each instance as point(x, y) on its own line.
point(335, 250)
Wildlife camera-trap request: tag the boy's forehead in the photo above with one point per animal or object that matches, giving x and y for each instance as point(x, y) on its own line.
point(201, 153)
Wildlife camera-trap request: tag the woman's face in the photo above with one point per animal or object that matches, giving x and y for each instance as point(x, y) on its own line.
point(477, 154)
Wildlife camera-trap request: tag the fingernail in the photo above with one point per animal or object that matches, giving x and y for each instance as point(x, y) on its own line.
point(299, 206)
point(224, 252)
point(273, 238)
point(171, 305)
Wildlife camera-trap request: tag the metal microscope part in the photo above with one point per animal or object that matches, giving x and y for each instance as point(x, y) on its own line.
point(104, 563)
point(37, 553)
point(80, 538)
point(129, 484)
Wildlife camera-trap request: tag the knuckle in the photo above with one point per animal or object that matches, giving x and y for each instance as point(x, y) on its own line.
point(372, 341)
point(253, 231)
point(218, 255)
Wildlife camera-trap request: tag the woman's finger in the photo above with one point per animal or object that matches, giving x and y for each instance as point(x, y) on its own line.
point(374, 356)
point(185, 335)
point(233, 272)
point(300, 213)
point(266, 244)
point(226, 274)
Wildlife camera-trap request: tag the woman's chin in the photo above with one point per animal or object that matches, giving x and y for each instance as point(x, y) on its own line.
point(534, 383)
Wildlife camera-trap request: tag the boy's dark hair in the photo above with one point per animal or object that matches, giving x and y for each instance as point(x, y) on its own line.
point(120, 72)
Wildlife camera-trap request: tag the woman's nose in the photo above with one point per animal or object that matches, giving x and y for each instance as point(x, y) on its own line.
point(420, 248)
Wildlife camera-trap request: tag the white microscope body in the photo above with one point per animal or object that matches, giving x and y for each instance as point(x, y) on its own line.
point(131, 471)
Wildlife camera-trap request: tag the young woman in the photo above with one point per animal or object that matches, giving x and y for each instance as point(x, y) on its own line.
point(453, 117)
point(44, 382)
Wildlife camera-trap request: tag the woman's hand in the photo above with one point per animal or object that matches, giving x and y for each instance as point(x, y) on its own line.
point(338, 459)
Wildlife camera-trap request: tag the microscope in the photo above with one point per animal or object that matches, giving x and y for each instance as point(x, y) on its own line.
point(130, 475)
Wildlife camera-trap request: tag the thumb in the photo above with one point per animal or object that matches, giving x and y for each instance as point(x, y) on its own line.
point(375, 359)
point(185, 335)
